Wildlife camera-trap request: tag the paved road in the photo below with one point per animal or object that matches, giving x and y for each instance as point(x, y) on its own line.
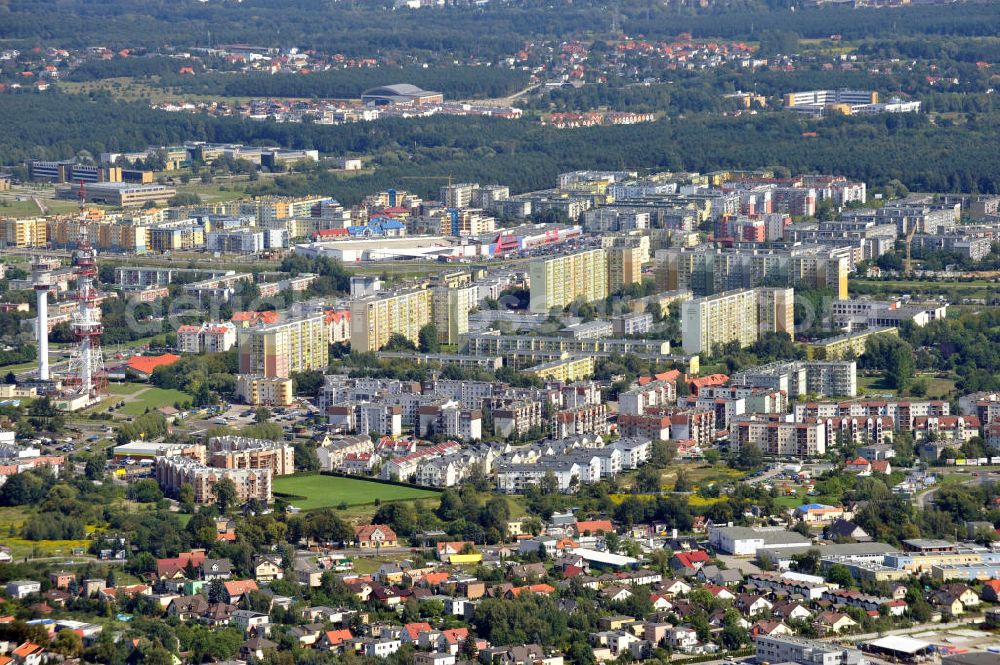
point(361, 552)
point(926, 497)
point(768, 475)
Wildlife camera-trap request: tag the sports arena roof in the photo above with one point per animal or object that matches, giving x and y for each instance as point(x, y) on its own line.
point(398, 92)
point(395, 89)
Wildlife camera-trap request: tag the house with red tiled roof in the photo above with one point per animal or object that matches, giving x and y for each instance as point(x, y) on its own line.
point(991, 591)
point(881, 466)
point(660, 602)
point(719, 592)
point(531, 588)
point(236, 589)
point(431, 580)
point(176, 567)
point(697, 383)
point(834, 622)
point(28, 653)
point(670, 376)
point(338, 324)
point(859, 465)
point(375, 536)
point(451, 639)
point(594, 527)
point(114, 593)
point(334, 639)
point(688, 563)
point(411, 631)
point(770, 627)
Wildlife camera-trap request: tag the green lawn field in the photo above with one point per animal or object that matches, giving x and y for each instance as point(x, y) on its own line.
point(141, 397)
point(330, 491)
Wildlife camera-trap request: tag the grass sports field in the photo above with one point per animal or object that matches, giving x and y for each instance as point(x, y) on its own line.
point(331, 491)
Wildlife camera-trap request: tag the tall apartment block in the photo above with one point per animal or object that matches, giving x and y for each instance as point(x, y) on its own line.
point(705, 271)
point(279, 349)
point(375, 318)
point(25, 232)
point(558, 281)
point(774, 436)
point(625, 261)
point(458, 195)
point(451, 307)
point(741, 316)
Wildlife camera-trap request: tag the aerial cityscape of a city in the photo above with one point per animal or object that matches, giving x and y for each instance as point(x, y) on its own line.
point(500, 332)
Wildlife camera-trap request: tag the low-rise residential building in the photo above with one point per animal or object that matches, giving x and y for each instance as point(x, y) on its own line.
point(260, 390)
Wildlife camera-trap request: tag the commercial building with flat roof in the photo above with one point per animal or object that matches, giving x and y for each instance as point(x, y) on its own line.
point(746, 541)
point(121, 194)
point(789, 649)
point(153, 449)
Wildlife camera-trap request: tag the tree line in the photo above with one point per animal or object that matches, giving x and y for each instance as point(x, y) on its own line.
point(453, 81)
point(464, 29)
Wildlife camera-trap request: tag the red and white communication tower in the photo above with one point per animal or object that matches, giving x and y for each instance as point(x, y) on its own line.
point(87, 375)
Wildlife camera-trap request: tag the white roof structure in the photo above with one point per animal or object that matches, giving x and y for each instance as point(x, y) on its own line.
point(899, 644)
point(606, 558)
point(148, 449)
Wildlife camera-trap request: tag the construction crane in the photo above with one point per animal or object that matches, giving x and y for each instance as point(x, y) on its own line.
point(428, 177)
point(452, 212)
point(908, 265)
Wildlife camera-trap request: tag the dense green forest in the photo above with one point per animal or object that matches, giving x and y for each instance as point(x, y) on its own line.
point(496, 28)
point(695, 92)
point(131, 66)
point(923, 155)
point(454, 82)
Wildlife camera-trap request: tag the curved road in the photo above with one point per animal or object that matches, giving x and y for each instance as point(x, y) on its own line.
point(925, 497)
